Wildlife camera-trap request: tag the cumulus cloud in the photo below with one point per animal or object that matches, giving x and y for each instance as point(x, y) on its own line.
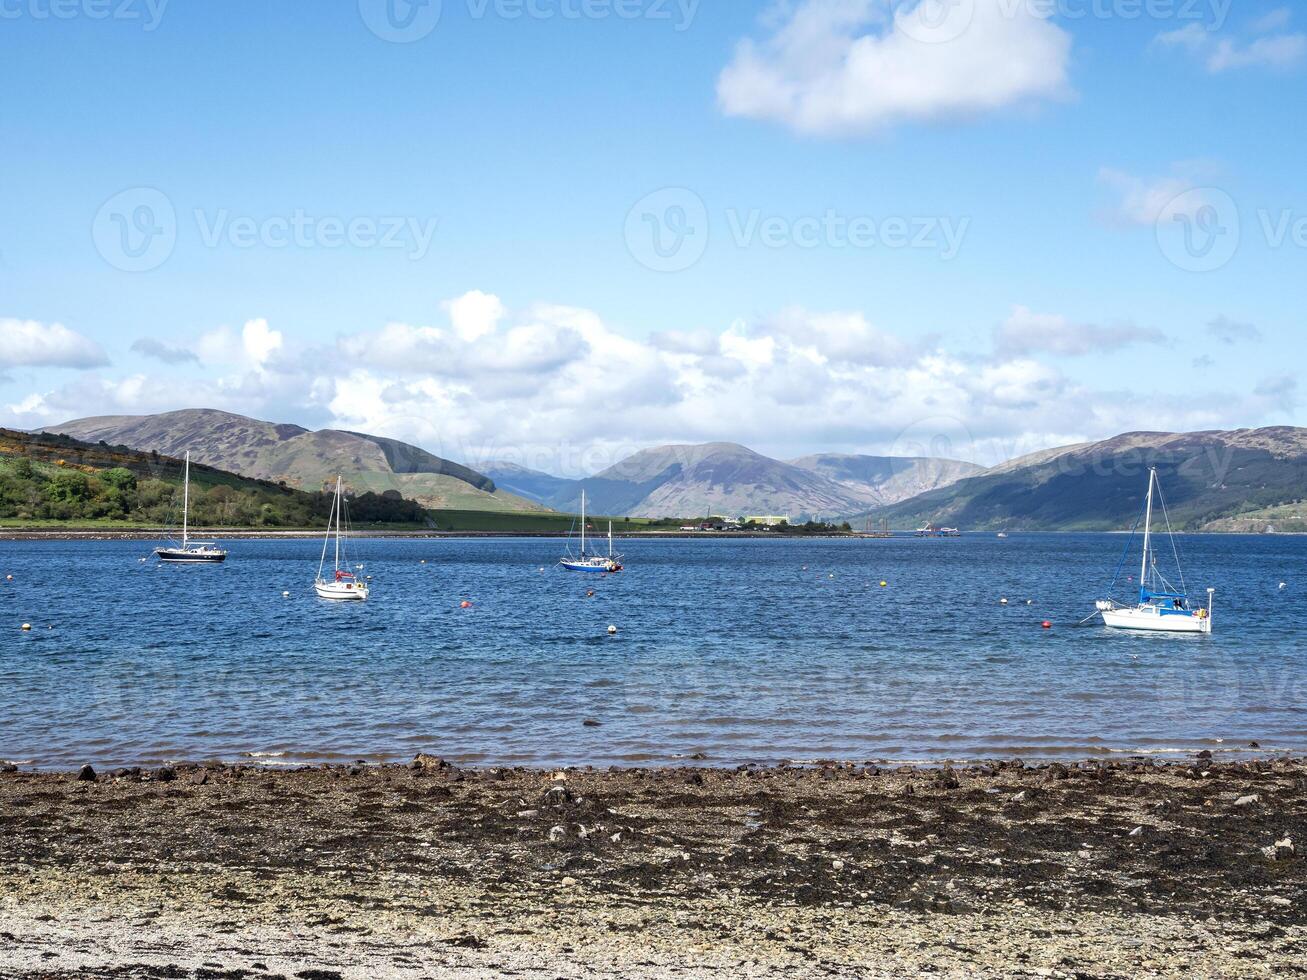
point(835, 67)
point(556, 388)
point(1028, 332)
point(29, 343)
point(167, 353)
point(474, 314)
point(254, 347)
point(1269, 46)
point(1229, 331)
point(1150, 200)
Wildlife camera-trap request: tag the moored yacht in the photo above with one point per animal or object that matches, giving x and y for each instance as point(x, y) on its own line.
point(189, 552)
point(1161, 606)
point(343, 585)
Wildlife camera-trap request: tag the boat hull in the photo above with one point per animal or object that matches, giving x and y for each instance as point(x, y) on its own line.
point(340, 592)
point(577, 566)
point(1150, 620)
point(179, 557)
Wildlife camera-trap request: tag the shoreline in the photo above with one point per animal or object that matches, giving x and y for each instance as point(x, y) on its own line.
point(251, 534)
point(1126, 868)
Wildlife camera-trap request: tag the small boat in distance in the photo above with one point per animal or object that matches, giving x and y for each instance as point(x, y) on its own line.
point(343, 585)
point(936, 531)
point(582, 562)
point(1162, 607)
point(189, 552)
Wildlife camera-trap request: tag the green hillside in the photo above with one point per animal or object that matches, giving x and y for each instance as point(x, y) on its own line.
point(1212, 480)
point(49, 480)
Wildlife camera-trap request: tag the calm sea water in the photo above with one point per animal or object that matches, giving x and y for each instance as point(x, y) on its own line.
point(739, 650)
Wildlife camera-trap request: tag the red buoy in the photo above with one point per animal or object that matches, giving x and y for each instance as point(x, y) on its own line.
point(1047, 625)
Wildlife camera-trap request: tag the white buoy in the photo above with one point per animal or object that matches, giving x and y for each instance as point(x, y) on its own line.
point(1002, 602)
point(1284, 585)
point(27, 627)
point(612, 631)
point(1030, 602)
point(285, 595)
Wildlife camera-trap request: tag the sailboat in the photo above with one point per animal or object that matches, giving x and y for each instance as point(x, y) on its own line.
point(592, 563)
point(189, 552)
point(343, 585)
point(1162, 607)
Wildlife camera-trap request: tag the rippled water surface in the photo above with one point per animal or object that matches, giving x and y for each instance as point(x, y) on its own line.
point(740, 650)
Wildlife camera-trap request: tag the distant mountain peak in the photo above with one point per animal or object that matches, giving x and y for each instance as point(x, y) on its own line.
point(300, 457)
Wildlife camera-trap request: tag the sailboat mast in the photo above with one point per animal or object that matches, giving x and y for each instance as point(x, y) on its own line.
point(582, 523)
point(186, 499)
point(610, 539)
point(1148, 529)
point(338, 524)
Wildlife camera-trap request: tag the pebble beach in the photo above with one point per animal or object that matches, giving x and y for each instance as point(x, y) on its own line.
point(1120, 869)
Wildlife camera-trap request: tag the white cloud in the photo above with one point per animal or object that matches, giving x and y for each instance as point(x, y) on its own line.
point(29, 343)
point(854, 66)
point(1281, 51)
point(255, 347)
point(1149, 200)
point(474, 314)
point(1273, 20)
point(1026, 332)
point(1268, 47)
point(557, 388)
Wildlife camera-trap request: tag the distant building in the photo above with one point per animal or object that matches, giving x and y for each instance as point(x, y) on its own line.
point(770, 521)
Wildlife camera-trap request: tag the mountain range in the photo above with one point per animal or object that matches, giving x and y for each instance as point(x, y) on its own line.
point(1242, 480)
point(725, 479)
point(1238, 480)
point(301, 458)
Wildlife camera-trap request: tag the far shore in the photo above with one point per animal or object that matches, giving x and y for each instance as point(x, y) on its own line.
point(268, 534)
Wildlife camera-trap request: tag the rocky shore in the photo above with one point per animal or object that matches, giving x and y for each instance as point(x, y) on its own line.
point(1005, 870)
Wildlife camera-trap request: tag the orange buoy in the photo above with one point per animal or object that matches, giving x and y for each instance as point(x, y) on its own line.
point(1047, 625)
point(465, 605)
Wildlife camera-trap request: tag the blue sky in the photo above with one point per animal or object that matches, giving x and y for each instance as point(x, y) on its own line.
point(986, 225)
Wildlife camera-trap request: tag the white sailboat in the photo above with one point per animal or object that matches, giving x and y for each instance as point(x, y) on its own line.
point(1161, 607)
point(592, 563)
point(189, 552)
point(343, 585)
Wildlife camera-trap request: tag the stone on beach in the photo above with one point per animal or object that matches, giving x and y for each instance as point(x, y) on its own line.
point(86, 775)
point(1281, 850)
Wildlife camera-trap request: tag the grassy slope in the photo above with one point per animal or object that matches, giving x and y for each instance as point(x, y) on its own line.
point(1204, 490)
